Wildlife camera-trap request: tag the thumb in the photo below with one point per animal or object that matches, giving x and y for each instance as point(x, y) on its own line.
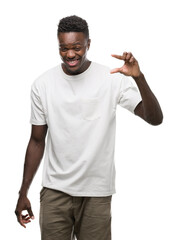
point(115, 70)
point(29, 210)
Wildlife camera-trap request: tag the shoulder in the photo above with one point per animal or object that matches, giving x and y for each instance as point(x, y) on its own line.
point(46, 76)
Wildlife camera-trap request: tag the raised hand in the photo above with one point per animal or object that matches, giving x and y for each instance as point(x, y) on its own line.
point(130, 67)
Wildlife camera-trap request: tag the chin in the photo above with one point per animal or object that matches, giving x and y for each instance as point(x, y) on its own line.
point(72, 71)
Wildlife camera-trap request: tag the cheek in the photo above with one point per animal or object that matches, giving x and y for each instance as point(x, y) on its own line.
point(83, 54)
point(61, 54)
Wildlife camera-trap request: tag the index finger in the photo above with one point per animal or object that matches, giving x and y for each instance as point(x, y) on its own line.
point(118, 56)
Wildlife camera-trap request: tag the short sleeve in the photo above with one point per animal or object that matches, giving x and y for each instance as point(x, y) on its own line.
point(129, 96)
point(37, 111)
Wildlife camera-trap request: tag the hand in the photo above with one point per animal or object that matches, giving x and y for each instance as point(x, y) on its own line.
point(130, 67)
point(23, 204)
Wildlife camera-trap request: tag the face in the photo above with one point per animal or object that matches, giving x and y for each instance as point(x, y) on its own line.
point(73, 47)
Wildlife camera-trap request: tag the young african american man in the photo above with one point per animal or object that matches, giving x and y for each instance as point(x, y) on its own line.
point(74, 103)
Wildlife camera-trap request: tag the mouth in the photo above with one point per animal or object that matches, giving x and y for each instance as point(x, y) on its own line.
point(72, 63)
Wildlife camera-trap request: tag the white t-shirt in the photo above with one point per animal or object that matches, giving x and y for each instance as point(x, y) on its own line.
point(80, 112)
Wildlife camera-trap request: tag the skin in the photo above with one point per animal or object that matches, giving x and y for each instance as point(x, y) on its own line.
point(74, 47)
point(34, 154)
point(148, 109)
point(73, 51)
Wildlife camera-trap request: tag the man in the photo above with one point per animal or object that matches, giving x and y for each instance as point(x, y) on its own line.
point(75, 102)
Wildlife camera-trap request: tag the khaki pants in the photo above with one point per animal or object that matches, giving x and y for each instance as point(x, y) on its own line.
point(64, 217)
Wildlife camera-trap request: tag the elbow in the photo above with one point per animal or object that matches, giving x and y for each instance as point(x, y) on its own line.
point(155, 121)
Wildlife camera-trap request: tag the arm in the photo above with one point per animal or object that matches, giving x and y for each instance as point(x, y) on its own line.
point(149, 108)
point(34, 154)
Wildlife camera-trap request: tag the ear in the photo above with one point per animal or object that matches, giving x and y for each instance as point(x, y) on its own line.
point(88, 44)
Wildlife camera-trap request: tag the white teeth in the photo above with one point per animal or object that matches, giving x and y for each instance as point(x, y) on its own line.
point(72, 62)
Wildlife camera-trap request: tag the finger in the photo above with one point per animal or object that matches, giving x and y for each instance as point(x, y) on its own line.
point(26, 217)
point(29, 210)
point(26, 221)
point(118, 56)
point(20, 220)
point(128, 56)
point(131, 60)
point(115, 70)
point(124, 55)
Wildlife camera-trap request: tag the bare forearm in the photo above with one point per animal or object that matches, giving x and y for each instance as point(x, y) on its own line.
point(33, 158)
point(151, 108)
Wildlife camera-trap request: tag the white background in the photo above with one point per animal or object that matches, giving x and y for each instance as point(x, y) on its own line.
point(146, 203)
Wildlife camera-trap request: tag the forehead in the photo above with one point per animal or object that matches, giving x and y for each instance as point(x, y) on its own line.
point(70, 38)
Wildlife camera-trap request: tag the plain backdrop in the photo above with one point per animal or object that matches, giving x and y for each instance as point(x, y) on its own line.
point(146, 203)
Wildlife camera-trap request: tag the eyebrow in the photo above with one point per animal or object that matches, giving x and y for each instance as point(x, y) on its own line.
point(77, 43)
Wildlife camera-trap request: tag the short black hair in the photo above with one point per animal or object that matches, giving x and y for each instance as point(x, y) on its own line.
point(73, 24)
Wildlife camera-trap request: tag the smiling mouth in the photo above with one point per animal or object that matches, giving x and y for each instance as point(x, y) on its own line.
point(72, 63)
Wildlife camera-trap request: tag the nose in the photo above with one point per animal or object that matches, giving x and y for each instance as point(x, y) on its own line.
point(70, 53)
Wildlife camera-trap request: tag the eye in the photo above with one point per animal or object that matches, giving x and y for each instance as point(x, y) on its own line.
point(77, 49)
point(63, 49)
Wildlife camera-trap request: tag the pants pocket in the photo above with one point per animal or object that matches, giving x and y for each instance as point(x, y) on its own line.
point(98, 207)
